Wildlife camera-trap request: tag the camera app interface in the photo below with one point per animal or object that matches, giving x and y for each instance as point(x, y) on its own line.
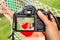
point(25, 23)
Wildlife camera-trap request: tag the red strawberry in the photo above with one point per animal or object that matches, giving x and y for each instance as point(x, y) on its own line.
point(24, 26)
point(27, 34)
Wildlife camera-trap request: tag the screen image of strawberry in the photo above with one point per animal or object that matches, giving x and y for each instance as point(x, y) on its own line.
point(27, 34)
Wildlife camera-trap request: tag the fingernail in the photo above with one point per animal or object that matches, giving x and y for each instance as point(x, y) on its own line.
point(39, 12)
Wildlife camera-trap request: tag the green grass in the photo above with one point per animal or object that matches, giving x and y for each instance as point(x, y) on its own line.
point(52, 3)
point(4, 28)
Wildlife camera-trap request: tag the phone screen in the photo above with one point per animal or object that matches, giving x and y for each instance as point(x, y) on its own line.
point(25, 23)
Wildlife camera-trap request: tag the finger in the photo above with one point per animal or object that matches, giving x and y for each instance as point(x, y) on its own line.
point(43, 18)
point(3, 6)
point(52, 18)
point(53, 22)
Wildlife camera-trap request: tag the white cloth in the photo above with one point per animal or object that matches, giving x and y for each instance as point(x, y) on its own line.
point(42, 38)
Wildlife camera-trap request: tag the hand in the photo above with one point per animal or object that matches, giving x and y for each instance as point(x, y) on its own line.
point(4, 9)
point(51, 27)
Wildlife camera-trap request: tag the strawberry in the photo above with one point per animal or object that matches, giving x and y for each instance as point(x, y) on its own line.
point(24, 26)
